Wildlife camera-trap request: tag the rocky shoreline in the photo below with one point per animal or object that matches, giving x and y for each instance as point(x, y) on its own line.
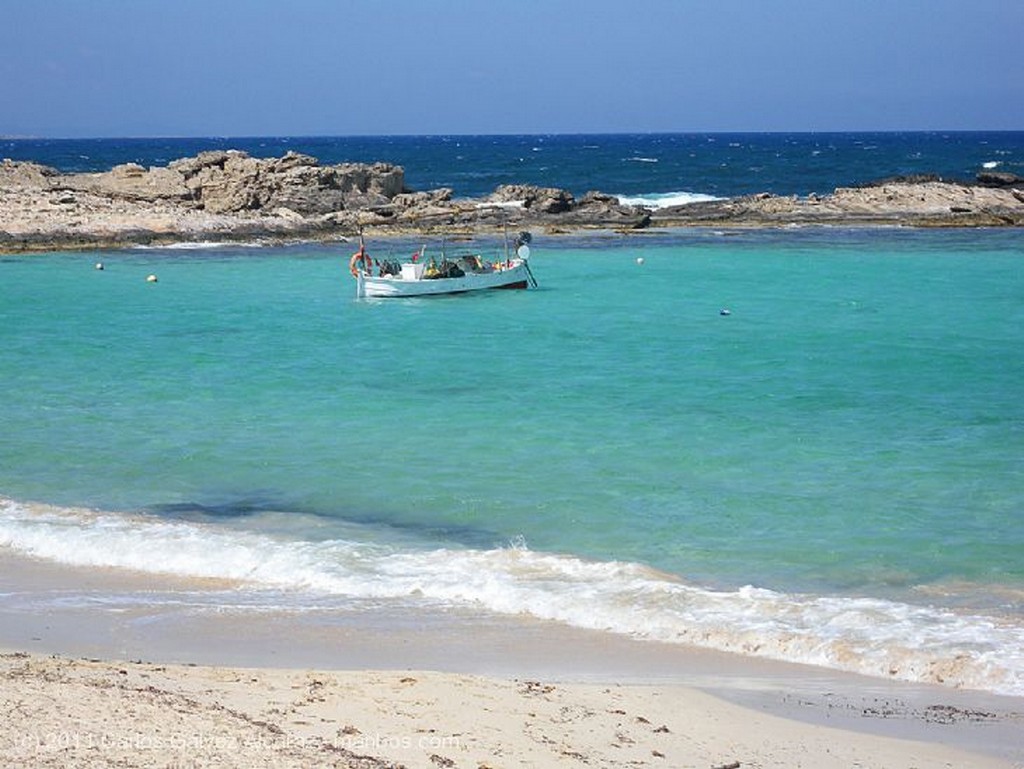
point(227, 196)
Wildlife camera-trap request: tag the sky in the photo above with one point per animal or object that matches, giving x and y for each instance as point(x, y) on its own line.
point(103, 68)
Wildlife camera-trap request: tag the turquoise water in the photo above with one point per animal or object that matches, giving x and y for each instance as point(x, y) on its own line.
point(833, 470)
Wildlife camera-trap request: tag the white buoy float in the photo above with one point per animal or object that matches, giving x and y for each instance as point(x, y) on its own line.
point(151, 278)
point(725, 311)
point(99, 265)
point(639, 260)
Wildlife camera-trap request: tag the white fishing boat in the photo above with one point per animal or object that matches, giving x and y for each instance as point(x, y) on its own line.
point(426, 276)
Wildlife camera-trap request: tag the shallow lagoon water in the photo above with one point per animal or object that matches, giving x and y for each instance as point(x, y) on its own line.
point(830, 473)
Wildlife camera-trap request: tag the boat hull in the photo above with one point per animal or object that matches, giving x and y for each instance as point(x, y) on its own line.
point(514, 277)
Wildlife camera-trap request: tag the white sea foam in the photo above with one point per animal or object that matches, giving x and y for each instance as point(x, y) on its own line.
point(865, 635)
point(197, 245)
point(991, 164)
point(665, 199)
point(503, 204)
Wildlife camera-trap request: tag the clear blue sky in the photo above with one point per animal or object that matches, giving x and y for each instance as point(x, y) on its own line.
point(79, 68)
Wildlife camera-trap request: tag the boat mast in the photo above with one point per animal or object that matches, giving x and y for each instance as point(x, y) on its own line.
point(360, 279)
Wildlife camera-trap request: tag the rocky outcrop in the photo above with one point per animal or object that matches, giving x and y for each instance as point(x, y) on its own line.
point(999, 179)
point(599, 206)
point(916, 203)
point(41, 209)
point(127, 182)
point(25, 176)
point(228, 195)
point(232, 181)
point(546, 200)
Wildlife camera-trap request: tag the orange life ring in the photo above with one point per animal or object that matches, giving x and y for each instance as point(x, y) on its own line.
point(358, 257)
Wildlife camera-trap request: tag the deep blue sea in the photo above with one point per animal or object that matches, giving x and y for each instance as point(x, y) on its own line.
point(831, 473)
point(641, 165)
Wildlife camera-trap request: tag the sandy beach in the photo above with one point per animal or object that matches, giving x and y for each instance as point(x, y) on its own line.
point(86, 686)
point(63, 712)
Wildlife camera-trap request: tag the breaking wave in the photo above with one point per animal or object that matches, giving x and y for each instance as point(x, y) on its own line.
point(665, 199)
point(865, 635)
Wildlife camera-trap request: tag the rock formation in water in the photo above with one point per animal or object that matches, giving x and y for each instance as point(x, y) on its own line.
point(228, 195)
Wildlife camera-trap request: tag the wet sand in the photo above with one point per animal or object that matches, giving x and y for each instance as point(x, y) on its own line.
point(96, 675)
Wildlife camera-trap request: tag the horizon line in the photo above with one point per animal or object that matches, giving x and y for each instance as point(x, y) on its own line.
point(802, 132)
